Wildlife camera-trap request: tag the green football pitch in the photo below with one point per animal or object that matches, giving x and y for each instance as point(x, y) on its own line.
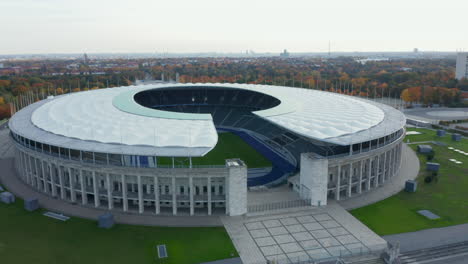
point(229, 146)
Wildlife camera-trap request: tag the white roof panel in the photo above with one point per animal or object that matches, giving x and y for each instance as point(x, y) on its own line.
point(111, 116)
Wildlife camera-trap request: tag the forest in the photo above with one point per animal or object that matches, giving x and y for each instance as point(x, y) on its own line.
point(422, 81)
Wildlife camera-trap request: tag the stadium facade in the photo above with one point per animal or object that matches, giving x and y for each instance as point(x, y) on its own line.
point(132, 148)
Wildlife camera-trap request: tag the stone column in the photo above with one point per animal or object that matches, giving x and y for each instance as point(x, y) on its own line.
point(37, 174)
point(31, 176)
point(359, 186)
point(96, 190)
point(174, 197)
point(208, 186)
point(61, 182)
point(124, 194)
point(369, 174)
point(338, 184)
point(110, 200)
point(350, 179)
point(21, 165)
point(235, 187)
point(314, 179)
point(26, 171)
point(192, 205)
point(377, 165)
point(140, 195)
point(156, 196)
point(52, 179)
point(84, 195)
point(384, 174)
point(390, 166)
point(71, 179)
point(44, 177)
point(395, 159)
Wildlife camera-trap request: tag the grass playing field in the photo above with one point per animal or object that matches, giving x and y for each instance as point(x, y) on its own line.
point(447, 198)
point(29, 237)
point(229, 146)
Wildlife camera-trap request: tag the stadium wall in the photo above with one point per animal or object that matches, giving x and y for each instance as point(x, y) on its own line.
point(186, 191)
point(350, 175)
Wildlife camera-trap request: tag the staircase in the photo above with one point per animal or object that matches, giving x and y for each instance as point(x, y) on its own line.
point(429, 254)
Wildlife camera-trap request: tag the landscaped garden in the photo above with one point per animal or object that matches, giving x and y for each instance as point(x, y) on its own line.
point(447, 196)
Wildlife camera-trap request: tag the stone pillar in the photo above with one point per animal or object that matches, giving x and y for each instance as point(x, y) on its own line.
point(26, 171)
point(37, 173)
point(110, 200)
point(140, 195)
point(84, 195)
point(71, 179)
point(384, 174)
point(338, 184)
point(96, 190)
point(369, 174)
point(21, 166)
point(376, 178)
point(62, 182)
point(236, 187)
point(209, 194)
point(390, 164)
point(156, 196)
point(124, 194)
point(192, 205)
point(44, 177)
point(350, 179)
point(359, 186)
point(314, 178)
point(52, 179)
point(174, 197)
point(31, 176)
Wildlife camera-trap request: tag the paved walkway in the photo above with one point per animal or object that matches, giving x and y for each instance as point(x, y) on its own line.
point(430, 237)
point(409, 171)
point(314, 233)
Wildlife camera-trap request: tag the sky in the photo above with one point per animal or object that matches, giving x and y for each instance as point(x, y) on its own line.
point(176, 26)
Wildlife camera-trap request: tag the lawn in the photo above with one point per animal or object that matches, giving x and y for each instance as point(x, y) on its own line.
point(27, 237)
point(447, 198)
point(229, 146)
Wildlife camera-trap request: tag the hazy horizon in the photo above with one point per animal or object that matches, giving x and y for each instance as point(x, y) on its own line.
point(210, 26)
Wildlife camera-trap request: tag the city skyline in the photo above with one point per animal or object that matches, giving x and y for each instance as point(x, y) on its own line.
point(53, 26)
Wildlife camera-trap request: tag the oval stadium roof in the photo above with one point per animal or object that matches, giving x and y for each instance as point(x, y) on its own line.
point(109, 120)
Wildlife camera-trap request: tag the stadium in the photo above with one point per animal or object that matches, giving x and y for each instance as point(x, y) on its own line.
point(197, 149)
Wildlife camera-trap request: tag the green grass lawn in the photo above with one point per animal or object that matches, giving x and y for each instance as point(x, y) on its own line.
point(29, 237)
point(447, 198)
point(229, 146)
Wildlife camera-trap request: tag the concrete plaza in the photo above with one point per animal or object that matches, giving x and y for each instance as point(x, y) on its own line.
point(312, 233)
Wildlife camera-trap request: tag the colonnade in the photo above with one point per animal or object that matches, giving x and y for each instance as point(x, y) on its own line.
point(354, 174)
point(142, 190)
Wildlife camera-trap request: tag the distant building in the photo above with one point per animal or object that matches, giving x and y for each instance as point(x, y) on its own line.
point(462, 66)
point(284, 54)
point(1, 65)
point(415, 50)
point(85, 59)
